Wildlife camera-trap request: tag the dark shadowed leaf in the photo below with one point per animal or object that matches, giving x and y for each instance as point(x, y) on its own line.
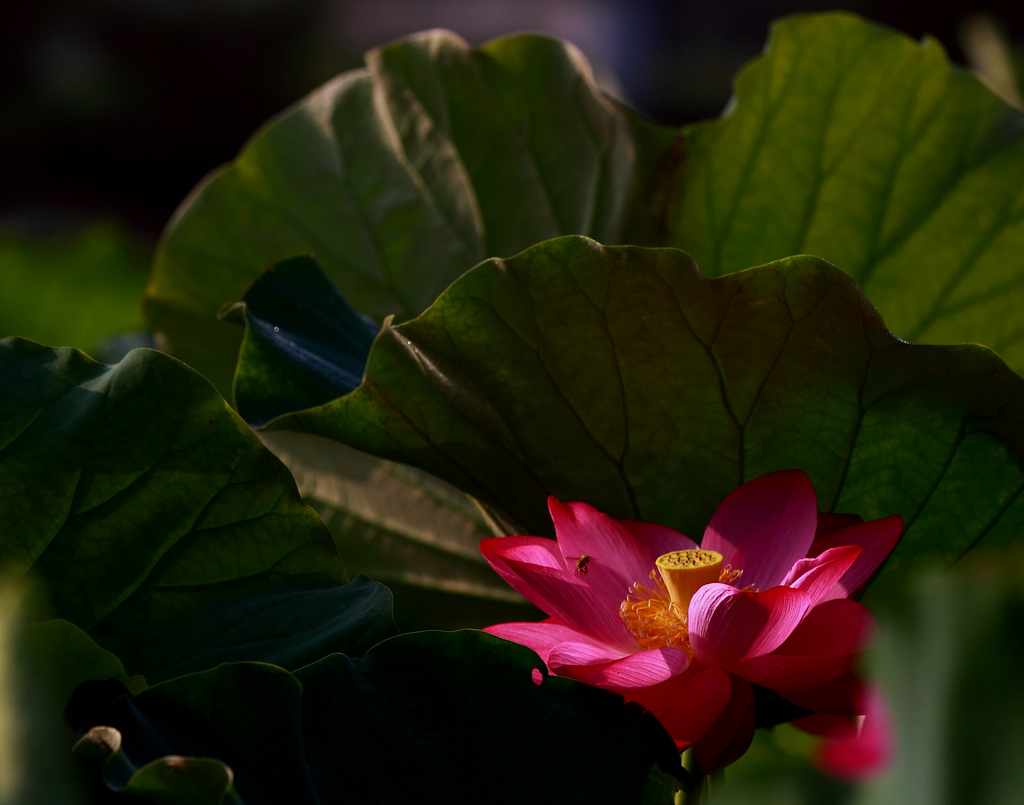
point(157, 522)
point(404, 528)
point(621, 376)
point(295, 628)
point(65, 656)
point(303, 344)
point(168, 780)
point(452, 712)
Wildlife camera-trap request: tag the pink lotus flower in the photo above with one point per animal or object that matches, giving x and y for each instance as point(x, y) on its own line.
point(854, 749)
point(639, 609)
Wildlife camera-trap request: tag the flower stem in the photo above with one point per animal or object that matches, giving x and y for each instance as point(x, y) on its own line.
point(691, 795)
point(702, 786)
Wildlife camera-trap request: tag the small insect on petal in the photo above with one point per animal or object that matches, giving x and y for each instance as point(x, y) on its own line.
point(581, 564)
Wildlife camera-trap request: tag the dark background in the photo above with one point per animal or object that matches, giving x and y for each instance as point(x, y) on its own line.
point(117, 108)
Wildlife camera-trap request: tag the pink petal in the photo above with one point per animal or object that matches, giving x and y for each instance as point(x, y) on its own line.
point(876, 537)
point(535, 568)
point(535, 550)
point(541, 636)
point(824, 646)
point(688, 705)
point(728, 625)
point(657, 539)
point(819, 577)
point(508, 555)
point(854, 750)
point(574, 601)
point(614, 556)
point(834, 521)
point(792, 673)
point(765, 527)
point(823, 724)
point(593, 665)
point(532, 550)
point(730, 735)
point(839, 696)
point(839, 626)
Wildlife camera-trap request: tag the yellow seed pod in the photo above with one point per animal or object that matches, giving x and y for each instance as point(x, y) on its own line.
point(685, 572)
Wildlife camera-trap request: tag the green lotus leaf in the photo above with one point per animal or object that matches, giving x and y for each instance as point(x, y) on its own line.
point(850, 141)
point(623, 377)
point(400, 177)
point(405, 528)
point(64, 656)
point(156, 521)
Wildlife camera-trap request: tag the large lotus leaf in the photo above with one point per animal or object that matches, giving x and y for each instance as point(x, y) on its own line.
point(623, 377)
point(404, 528)
point(399, 177)
point(64, 656)
point(849, 141)
point(156, 520)
point(450, 712)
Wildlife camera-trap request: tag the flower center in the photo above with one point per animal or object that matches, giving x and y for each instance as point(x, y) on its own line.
point(656, 615)
point(653, 618)
point(685, 572)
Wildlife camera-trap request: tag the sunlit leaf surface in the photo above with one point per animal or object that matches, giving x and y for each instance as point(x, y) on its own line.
point(621, 376)
point(400, 177)
point(854, 143)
